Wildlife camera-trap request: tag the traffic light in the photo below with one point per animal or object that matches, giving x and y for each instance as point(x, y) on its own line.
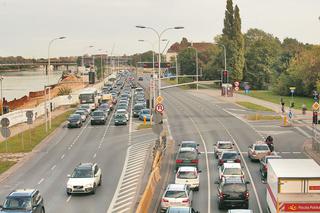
point(225, 76)
point(315, 117)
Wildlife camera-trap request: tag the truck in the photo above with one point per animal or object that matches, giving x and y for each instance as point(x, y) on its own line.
point(293, 185)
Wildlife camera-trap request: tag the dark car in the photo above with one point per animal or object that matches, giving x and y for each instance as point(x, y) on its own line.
point(187, 156)
point(105, 108)
point(120, 119)
point(233, 192)
point(74, 120)
point(229, 157)
point(23, 201)
point(140, 78)
point(264, 165)
point(136, 109)
point(192, 144)
point(98, 117)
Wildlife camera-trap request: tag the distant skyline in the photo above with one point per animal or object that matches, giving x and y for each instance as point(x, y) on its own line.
point(27, 26)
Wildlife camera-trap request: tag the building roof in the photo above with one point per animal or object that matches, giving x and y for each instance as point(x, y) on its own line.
point(200, 46)
point(295, 168)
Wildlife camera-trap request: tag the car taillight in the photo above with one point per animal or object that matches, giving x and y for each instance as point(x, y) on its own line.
point(269, 153)
point(186, 201)
point(179, 161)
point(221, 195)
point(237, 160)
point(246, 194)
point(194, 161)
point(220, 161)
point(265, 168)
point(254, 152)
point(164, 200)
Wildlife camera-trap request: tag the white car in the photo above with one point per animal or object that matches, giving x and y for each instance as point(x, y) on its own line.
point(188, 175)
point(221, 146)
point(123, 111)
point(176, 195)
point(230, 170)
point(86, 177)
point(258, 150)
point(240, 211)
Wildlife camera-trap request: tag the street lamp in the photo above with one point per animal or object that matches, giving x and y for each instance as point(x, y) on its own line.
point(45, 91)
point(86, 48)
point(1, 79)
point(101, 64)
point(197, 65)
point(159, 51)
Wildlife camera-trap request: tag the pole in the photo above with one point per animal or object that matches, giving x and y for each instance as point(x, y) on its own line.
point(45, 108)
point(101, 67)
point(176, 69)
point(159, 65)
point(49, 107)
point(1, 78)
point(197, 68)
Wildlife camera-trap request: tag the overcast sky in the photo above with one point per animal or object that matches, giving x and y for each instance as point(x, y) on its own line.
point(26, 26)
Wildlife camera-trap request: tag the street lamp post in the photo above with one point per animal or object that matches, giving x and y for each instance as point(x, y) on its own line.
point(1, 79)
point(197, 65)
point(159, 51)
point(48, 73)
point(225, 60)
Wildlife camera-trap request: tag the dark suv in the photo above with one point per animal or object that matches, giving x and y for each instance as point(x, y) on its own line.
point(23, 200)
point(233, 192)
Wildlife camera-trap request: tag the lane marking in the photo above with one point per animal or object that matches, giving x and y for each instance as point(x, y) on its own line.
point(42, 179)
point(95, 155)
point(303, 132)
point(52, 168)
point(69, 198)
point(62, 156)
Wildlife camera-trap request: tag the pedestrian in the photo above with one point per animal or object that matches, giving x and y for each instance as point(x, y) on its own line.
point(304, 109)
point(282, 105)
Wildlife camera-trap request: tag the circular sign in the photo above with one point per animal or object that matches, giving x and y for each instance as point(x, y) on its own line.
point(5, 122)
point(5, 132)
point(159, 108)
point(236, 83)
point(236, 88)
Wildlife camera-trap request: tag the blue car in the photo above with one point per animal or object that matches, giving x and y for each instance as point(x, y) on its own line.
point(145, 113)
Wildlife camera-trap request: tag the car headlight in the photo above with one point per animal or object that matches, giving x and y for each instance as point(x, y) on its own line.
point(89, 185)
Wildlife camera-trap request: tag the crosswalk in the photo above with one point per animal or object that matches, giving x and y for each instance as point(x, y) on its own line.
point(125, 195)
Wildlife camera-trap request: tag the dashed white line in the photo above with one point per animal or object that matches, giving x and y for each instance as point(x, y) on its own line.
point(69, 198)
point(52, 168)
point(62, 156)
point(42, 179)
point(95, 155)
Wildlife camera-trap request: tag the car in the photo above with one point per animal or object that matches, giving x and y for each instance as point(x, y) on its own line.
point(140, 100)
point(23, 200)
point(187, 156)
point(240, 211)
point(98, 117)
point(229, 157)
point(123, 111)
point(258, 150)
point(145, 113)
point(124, 102)
point(138, 89)
point(105, 108)
point(176, 195)
point(192, 144)
point(86, 107)
point(122, 106)
point(222, 146)
point(230, 170)
point(85, 178)
point(264, 164)
point(136, 109)
point(120, 119)
point(181, 209)
point(188, 175)
point(140, 78)
point(82, 113)
point(74, 120)
point(233, 192)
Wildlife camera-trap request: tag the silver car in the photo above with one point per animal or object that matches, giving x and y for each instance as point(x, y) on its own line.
point(176, 195)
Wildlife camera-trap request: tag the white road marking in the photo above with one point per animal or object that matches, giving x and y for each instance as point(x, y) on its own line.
point(69, 198)
point(62, 156)
point(296, 152)
point(303, 132)
point(95, 155)
point(42, 179)
point(52, 168)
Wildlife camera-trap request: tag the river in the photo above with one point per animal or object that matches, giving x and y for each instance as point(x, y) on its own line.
point(16, 84)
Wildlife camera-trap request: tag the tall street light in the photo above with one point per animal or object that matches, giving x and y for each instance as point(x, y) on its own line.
point(101, 62)
point(197, 65)
point(45, 92)
point(1, 79)
point(85, 52)
point(159, 51)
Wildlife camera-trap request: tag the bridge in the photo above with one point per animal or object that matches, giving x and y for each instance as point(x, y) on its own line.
point(37, 63)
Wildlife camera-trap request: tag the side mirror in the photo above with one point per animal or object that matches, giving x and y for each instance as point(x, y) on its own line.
point(68, 176)
point(247, 182)
point(199, 171)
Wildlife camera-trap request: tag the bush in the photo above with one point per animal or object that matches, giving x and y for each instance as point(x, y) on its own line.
point(64, 91)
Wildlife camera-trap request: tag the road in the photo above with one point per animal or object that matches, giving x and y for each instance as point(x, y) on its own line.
point(112, 147)
point(205, 119)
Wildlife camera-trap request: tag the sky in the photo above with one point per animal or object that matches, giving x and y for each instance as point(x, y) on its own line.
point(27, 26)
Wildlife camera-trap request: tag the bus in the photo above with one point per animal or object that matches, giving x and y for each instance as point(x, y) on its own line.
point(89, 96)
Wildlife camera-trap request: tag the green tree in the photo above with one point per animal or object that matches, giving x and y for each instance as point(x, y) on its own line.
point(187, 61)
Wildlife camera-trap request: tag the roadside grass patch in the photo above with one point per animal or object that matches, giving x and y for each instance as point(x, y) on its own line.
point(5, 165)
point(253, 106)
point(258, 117)
point(144, 126)
point(27, 140)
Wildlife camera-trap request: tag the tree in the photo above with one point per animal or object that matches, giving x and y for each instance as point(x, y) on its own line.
point(187, 61)
point(228, 20)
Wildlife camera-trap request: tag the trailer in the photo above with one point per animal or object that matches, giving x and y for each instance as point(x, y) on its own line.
point(293, 185)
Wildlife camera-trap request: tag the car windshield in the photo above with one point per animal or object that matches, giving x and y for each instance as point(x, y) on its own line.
point(193, 145)
point(104, 106)
point(187, 175)
point(234, 187)
point(82, 173)
point(74, 117)
point(229, 155)
point(79, 112)
point(22, 203)
point(187, 155)
point(119, 116)
point(261, 148)
point(175, 194)
point(232, 171)
point(98, 113)
point(145, 111)
point(85, 106)
point(138, 107)
point(225, 146)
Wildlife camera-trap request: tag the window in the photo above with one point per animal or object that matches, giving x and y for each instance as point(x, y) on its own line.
point(96, 169)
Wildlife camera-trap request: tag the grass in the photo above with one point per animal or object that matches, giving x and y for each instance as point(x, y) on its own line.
point(257, 117)
point(5, 165)
point(27, 140)
point(253, 106)
point(271, 97)
point(144, 126)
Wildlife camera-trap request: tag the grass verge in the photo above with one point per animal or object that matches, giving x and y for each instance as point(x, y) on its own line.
point(27, 140)
point(144, 126)
point(253, 106)
point(271, 97)
point(5, 165)
point(258, 117)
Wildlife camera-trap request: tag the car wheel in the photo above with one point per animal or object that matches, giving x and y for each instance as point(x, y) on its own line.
point(94, 189)
point(68, 193)
point(220, 206)
point(100, 180)
point(196, 189)
point(42, 210)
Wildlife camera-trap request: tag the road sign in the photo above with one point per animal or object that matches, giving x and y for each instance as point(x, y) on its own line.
point(290, 114)
point(315, 106)
point(5, 132)
point(236, 88)
point(5, 122)
point(292, 89)
point(246, 87)
point(29, 114)
point(236, 84)
point(159, 99)
point(159, 107)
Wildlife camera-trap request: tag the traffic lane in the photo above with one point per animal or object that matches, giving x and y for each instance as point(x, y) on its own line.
point(40, 160)
point(205, 119)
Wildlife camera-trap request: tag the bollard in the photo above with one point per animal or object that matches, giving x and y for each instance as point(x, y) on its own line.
point(150, 120)
point(285, 122)
point(144, 120)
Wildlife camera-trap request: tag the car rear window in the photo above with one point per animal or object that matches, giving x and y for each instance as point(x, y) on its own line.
point(189, 145)
point(98, 113)
point(261, 148)
point(229, 155)
point(187, 175)
point(175, 194)
point(187, 155)
point(138, 107)
point(232, 171)
point(225, 146)
point(234, 187)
